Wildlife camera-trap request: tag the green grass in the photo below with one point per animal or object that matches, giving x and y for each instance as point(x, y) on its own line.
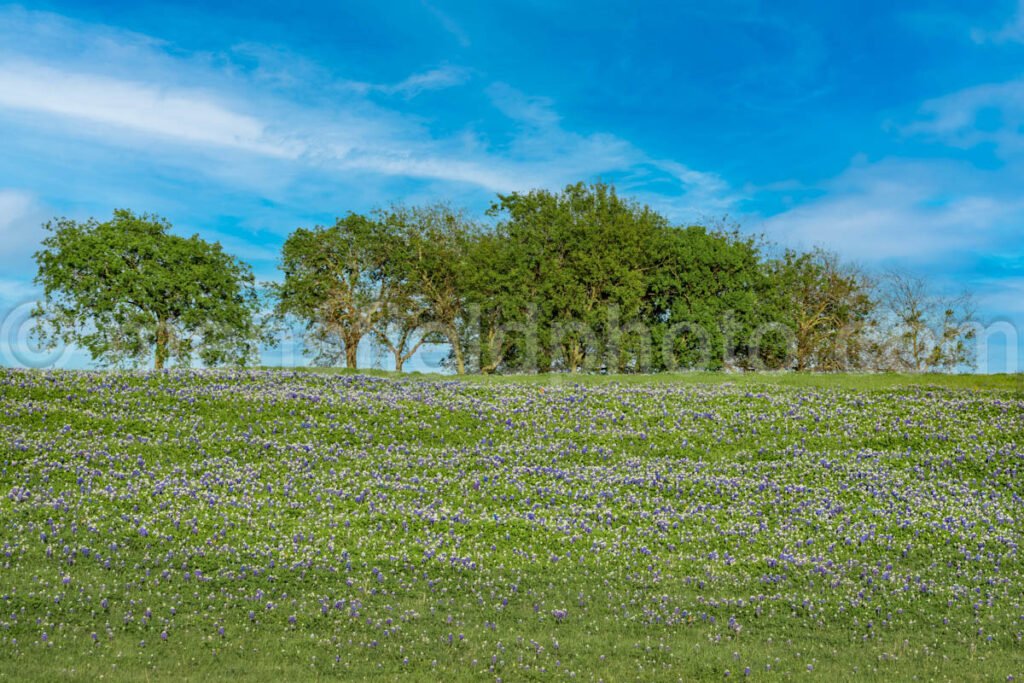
point(674, 527)
point(858, 381)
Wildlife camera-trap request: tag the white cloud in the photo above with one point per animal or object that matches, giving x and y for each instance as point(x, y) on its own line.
point(16, 292)
point(958, 225)
point(903, 210)
point(553, 155)
point(1005, 295)
point(360, 137)
point(193, 117)
point(521, 108)
point(284, 69)
point(1011, 32)
point(21, 219)
point(291, 118)
point(497, 178)
point(704, 192)
point(448, 24)
point(989, 113)
point(14, 204)
point(434, 79)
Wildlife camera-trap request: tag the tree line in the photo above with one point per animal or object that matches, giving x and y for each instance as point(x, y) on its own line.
point(580, 279)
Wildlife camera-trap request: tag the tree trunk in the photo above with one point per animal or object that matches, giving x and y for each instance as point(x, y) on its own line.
point(351, 349)
point(351, 339)
point(399, 349)
point(453, 339)
point(575, 356)
point(162, 340)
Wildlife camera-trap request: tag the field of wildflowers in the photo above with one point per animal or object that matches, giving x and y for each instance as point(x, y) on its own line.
point(285, 526)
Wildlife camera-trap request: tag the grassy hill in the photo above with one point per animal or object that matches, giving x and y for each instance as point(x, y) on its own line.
point(269, 525)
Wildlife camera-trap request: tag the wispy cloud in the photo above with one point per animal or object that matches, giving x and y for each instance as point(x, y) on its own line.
point(537, 112)
point(448, 24)
point(203, 103)
point(1011, 32)
point(198, 118)
point(281, 68)
point(907, 211)
point(543, 143)
point(20, 232)
point(190, 116)
point(21, 217)
point(14, 204)
point(432, 79)
point(1005, 295)
point(990, 113)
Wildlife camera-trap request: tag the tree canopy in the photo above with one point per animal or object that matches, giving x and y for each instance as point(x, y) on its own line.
point(127, 290)
point(579, 279)
point(333, 283)
point(583, 279)
point(582, 257)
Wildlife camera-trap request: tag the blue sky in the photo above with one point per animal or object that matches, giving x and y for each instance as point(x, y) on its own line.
point(892, 133)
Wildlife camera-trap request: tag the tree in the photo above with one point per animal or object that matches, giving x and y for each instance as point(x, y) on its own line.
point(436, 239)
point(708, 296)
point(580, 259)
point(127, 289)
point(332, 283)
point(405, 312)
point(828, 306)
point(923, 331)
point(501, 329)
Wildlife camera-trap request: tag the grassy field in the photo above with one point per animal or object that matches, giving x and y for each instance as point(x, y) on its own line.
point(298, 525)
point(862, 382)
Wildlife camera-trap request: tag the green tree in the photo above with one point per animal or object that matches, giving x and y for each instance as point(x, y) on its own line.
point(828, 305)
point(501, 329)
point(333, 284)
point(579, 259)
point(708, 297)
point(127, 289)
point(435, 241)
point(405, 316)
